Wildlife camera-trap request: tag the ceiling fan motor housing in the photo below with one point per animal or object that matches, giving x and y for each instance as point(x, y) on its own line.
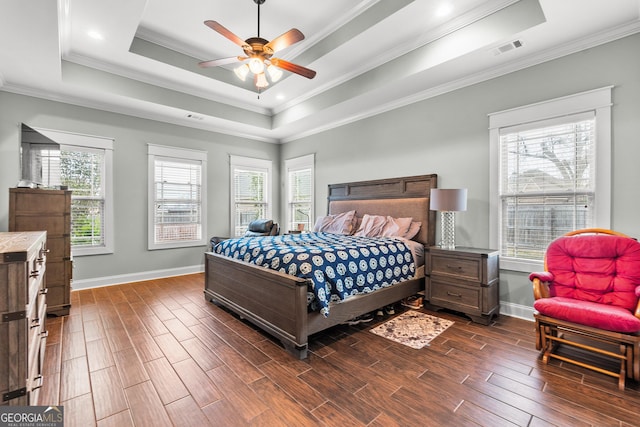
point(258, 47)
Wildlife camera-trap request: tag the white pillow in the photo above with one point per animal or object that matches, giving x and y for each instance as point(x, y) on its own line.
point(342, 223)
point(413, 230)
point(383, 226)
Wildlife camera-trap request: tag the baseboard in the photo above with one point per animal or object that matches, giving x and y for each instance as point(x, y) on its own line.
point(516, 310)
point(135, 277)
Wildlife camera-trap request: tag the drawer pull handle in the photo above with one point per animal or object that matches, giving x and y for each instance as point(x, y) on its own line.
point(35, 322)
point(34, 273)
point(454, 267)
point(453, 294)
point(43, 255)
point(44, 334)
point(40, 381)
point(44, 291)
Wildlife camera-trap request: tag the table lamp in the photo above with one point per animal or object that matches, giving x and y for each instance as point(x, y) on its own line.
point(448, 202)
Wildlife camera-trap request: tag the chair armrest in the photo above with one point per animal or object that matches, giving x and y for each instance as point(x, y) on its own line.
point(540, 289)
point(544, 276)
point(216, 239)
point(540, 281)
point(637, 312)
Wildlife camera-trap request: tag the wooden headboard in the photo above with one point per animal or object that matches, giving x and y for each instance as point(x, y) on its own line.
point(397, 197)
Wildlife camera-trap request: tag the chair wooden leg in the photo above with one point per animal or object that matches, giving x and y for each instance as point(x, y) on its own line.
point(636, 361)
point(624, 351)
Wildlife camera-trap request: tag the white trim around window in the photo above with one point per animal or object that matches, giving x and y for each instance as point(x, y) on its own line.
point(238, 164)
point(598, 102)
point(299, 165)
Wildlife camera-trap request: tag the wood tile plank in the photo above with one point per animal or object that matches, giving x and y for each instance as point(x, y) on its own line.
point(99, 355)
point(200, 386)
point(165, 380)
point(108, 394)
point(74, 378)
point(146, 407)
point(186, 413)
point(122, 419)
point(130, 367)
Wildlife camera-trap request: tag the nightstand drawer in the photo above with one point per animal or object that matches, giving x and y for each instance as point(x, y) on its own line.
point(458, 267)
point(460, 298)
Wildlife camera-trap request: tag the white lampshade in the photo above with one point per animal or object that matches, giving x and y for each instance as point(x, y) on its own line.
point(261, 81)
point(242, 71)
point(451, 200)
point(274, 72)
point(256, 65)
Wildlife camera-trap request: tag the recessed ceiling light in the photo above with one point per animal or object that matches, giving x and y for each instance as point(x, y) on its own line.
point(95, 35)
point(280, 97)
point(444, 9)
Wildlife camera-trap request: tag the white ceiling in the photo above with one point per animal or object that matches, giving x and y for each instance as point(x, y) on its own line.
point(370, 55)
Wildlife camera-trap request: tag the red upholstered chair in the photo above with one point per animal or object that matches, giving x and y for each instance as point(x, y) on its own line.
point(589, 297)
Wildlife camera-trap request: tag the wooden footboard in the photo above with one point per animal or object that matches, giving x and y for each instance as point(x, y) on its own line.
point(273, 301)
point(277, 302)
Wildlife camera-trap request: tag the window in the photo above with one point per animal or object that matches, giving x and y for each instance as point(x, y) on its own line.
point(551, 174)
point(177, 197)
point(83, 164)
point(299, 188)
point(250, 192)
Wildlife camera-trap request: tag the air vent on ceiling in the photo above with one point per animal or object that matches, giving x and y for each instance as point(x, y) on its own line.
point(515, 44)
point(194, 116)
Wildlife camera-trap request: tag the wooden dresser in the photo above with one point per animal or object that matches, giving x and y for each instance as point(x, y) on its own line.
point(23, 308)
point(49, 210)
point(464, 280)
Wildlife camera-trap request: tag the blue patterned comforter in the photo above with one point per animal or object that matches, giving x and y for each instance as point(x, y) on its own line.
point(336, 265)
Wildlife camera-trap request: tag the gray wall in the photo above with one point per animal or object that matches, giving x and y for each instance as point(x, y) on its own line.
point(448, 135)
point(130, 177)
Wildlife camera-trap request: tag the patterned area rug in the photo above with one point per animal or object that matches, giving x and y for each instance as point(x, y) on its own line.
point(412, 328)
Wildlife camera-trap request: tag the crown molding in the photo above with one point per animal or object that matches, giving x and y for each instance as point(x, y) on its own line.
point(218, 127)
point(148, 79)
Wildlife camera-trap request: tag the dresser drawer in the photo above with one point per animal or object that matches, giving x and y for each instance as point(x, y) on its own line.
point(55, 225)
point(458, 267)
point(455, 297)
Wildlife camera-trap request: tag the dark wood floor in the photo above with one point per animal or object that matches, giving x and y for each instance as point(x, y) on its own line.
point(155, 353)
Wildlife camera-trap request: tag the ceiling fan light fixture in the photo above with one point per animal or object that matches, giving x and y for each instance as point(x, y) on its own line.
point(256, 65)
point(274, 72)
point(242, 72)
point(261, 81)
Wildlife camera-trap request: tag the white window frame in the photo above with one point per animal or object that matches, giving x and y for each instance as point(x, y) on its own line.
point(175, 153)
point(293, 165)
point(597, 101)
point(261, 165)
point(68, 140)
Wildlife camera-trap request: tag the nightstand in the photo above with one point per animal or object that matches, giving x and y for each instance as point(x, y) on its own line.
point(465, 280)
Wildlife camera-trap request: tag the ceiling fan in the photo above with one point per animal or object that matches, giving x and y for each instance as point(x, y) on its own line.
point(258, 54)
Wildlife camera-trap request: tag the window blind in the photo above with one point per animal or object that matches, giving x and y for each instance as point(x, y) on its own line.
point(547, 183)
point(250, 197)
point(177, 200)
point(82, 171)
point(300, 197)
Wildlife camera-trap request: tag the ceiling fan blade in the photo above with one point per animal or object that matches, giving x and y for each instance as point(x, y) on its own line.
point(284, 40)
point(221, 61)
point(294, 68)
point(216, 26)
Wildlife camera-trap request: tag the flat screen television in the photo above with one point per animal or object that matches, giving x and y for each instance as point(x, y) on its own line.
point(39, 160)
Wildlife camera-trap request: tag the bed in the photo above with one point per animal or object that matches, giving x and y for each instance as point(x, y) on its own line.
point(277, 302)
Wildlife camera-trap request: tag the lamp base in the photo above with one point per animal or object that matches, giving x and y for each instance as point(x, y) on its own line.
point(448, 230)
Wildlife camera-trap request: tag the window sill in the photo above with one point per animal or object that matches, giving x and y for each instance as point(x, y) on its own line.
point(525, 266)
